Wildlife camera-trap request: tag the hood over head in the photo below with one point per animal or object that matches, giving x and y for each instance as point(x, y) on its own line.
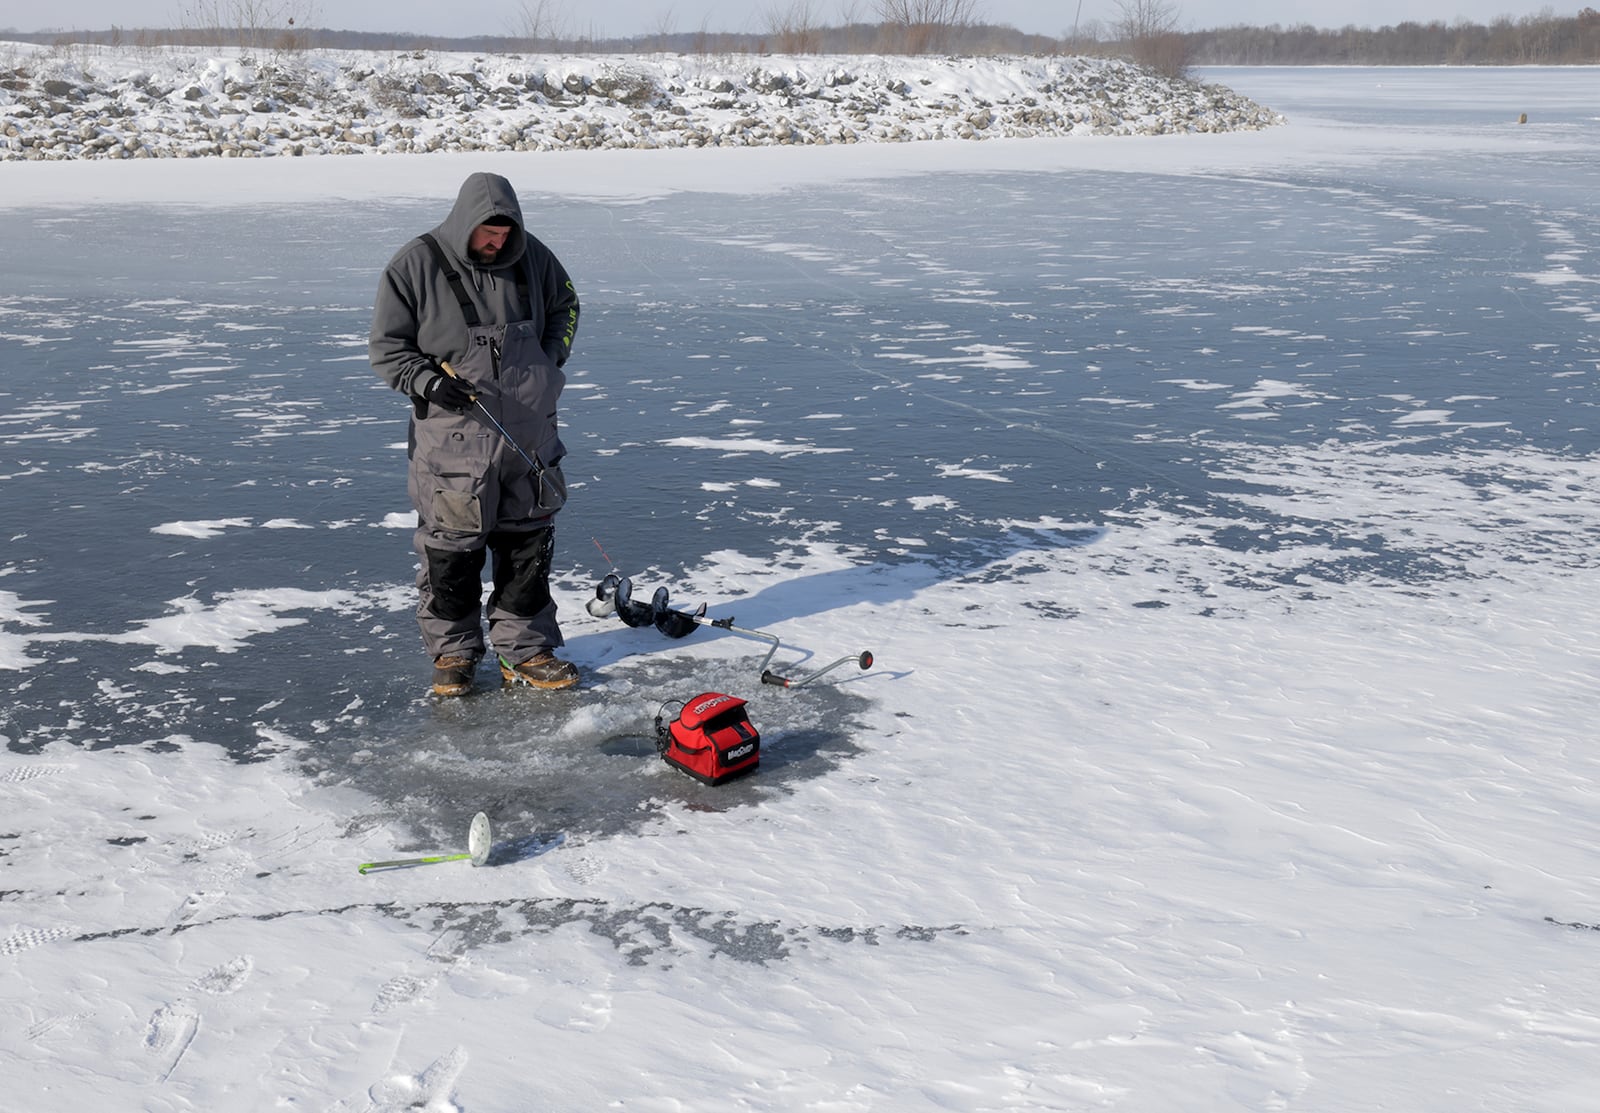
point(484, 197)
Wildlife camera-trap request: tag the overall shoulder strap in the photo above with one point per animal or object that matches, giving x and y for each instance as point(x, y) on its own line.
point(453, 276)
point(525, 281)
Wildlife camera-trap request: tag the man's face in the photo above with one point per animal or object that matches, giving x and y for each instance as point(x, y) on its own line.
point(486, 241)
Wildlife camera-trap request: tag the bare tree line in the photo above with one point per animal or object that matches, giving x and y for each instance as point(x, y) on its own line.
point(255, 24)
point(1148, 31)
point(794, 27)
point(1543, 39)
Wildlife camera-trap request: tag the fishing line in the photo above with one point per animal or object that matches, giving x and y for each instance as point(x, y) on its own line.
point(1011, 417)
point(852, 356)
point(1006, 417)
point(611, 564)
point(636, 263)
point(851, 359)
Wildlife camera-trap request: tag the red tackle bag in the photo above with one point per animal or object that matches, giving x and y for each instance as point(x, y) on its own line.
point(712, 739)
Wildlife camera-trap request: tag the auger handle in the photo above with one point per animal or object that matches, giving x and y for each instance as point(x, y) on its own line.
point(768, 677)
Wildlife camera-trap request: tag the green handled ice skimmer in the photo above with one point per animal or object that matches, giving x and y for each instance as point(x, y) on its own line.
point(477, 850)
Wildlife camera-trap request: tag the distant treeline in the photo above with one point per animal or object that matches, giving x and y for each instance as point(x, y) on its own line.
point(855, 38)
point(1543, 39)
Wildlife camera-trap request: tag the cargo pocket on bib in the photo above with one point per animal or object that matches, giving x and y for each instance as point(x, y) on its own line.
point(552, 483)
point(457, 511)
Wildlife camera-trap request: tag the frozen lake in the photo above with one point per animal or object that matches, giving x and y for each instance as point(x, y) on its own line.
point(1221, 510)
point(899, 366)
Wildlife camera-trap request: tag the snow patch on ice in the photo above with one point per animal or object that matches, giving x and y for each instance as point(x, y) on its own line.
point(740, 445)
point(201, 529)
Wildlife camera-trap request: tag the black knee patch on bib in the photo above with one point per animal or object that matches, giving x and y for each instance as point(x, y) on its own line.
point(522, 570)
point(456, 583)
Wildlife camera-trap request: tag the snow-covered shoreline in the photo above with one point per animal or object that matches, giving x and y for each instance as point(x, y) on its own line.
point(117, 103)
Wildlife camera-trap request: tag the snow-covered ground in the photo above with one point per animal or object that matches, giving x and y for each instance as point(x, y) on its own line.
point(90, 102)
point(1219, 509)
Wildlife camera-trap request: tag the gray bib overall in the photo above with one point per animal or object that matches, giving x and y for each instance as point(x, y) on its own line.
point(490, 480)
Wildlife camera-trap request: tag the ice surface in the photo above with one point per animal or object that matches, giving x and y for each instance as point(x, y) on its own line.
point(1221, 516)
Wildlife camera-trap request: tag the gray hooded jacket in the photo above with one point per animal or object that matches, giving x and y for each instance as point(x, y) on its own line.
point(417, 321)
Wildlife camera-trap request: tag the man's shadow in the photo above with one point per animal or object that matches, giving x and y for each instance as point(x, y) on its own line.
point(786, 600)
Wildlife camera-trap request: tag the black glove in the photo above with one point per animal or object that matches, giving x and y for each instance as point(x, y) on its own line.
point(449, 393)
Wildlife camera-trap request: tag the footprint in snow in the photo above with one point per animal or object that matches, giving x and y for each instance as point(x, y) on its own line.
point(192, 906)
point(25, 939)
point(171, 1030)
point(591, 1014)
point(400, 990)
point(584, 870)
point(65, 1022)
point(227, 978)
point(428, 1090)
point(213, 840)
point(30, 772)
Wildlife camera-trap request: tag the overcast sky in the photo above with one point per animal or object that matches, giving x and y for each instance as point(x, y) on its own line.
point(606, 18)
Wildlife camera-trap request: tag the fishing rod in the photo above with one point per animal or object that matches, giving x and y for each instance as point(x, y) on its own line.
point(532, 461)
point(615, 595)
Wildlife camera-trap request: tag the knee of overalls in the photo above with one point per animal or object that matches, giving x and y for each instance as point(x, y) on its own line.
point(522, 569)
point(455, 582)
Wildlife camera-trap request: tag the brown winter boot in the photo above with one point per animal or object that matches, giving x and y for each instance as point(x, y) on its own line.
point(452, 674)
point(545, 670)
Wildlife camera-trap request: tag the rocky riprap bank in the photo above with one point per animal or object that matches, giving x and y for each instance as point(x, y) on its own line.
point(97, 102)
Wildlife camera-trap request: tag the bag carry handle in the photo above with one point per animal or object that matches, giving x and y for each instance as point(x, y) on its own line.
point(707, 705)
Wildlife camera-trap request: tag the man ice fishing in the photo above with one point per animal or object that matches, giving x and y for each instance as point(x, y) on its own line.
point(474, 321)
